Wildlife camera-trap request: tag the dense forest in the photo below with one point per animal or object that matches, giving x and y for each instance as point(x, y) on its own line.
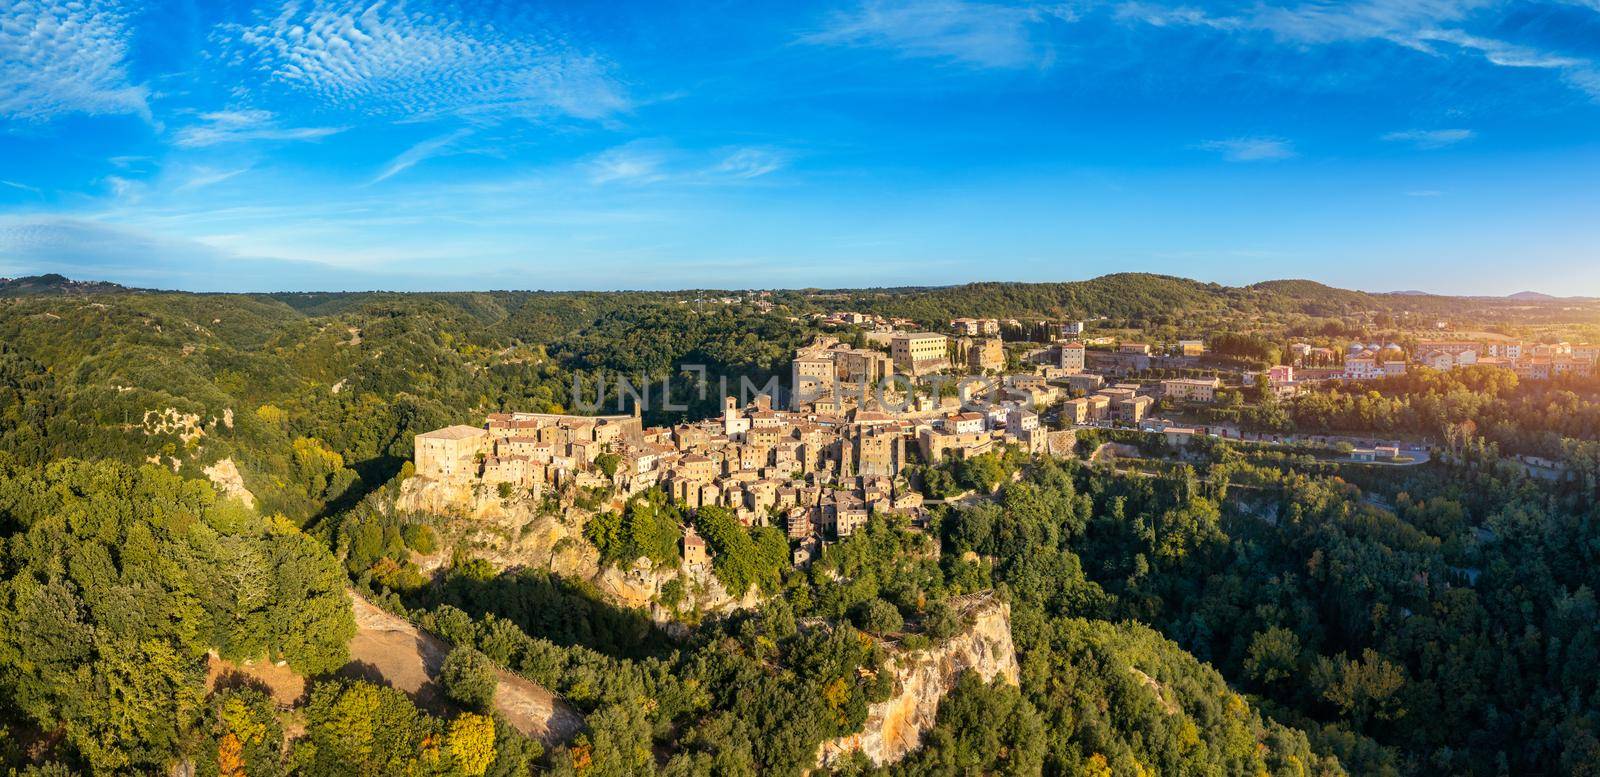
point(1248, 611)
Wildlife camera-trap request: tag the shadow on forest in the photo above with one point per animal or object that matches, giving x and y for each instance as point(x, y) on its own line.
point(566, 612)
point(371, 475)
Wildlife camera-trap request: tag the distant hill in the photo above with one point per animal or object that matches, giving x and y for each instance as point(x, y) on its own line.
point(1530, 296)
point(1309, 291)
point(52, 283)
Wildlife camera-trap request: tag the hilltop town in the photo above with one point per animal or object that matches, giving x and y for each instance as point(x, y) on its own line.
point(651, 515)
point(845, 438)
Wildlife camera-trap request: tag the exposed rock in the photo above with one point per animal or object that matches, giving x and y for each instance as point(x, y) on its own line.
point(923, 677)
point(640, 587)
point(225, 474)
point(169, 421)
point(515, 533)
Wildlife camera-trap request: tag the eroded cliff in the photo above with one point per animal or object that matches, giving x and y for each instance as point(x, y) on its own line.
point(518, 533)
point(922, 678)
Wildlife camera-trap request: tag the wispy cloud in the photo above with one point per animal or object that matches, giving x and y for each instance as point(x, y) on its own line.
point(648, 162)
point(66, 56)
point(1430, 139)
point(201, 177)
point(123, 188)
point(751, 162)
point(238, 126)
point(87, 248)
point(428, 59)
point(632, 163)
point(1254, 149)
point(427, 149)
point(1432, 27)
point(989, 35)
point(22, 187)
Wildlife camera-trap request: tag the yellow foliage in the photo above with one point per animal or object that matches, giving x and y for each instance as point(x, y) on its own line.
point(1188, 735)
point(836, 693)
point(241, 725)
point(230, 756)
point(471, 743)
point(270, 414)
point(1097, 766)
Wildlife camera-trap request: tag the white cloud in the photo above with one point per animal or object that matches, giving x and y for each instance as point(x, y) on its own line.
point(1255, 149)
point(22, 187)
point(427, 59)
point(1433, 27)
point(202, 177)
point(66, 56)
point(123, 188)
point(238, 126)
point(632, 163)
point(750, 163)
point(1430, 139)
point(978, 34)
point(651, 162)
point(427, 149)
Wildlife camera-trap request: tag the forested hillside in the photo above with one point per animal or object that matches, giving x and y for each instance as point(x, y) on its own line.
point(1245, 612)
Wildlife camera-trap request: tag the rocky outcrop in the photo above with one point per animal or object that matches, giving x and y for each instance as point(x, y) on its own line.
point(923, 677)
point(516, 533)
point(225, 475)
point(640, 586)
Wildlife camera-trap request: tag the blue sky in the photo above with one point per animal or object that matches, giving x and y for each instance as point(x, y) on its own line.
point(1449, 146)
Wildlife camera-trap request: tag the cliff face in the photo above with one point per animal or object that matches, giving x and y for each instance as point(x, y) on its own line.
point(513, 533)
point(922, 678)
point(640, 586)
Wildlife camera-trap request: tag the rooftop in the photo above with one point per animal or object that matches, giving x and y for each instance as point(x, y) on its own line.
point(457, 432)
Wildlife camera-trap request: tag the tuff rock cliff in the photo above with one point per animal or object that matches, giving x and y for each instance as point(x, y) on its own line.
point(923, 677)
point(516, 533)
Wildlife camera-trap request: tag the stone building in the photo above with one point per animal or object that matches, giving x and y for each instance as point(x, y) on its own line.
point(987, 355)
point(450, 453)
point(922, 353)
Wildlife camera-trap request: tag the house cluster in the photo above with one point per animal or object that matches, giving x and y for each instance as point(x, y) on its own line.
point(1531, 361)
point(975, 327)
point(818, 474)
point(1541, 361)
point(868, 321)
point(1366, 361)
point(1126, 358)
point(531, 452)
point(1314, 356)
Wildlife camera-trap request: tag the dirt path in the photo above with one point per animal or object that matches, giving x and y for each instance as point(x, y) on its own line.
point(392, 651)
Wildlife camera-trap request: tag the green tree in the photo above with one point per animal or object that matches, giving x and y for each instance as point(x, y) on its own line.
point(469, 678)
point(879, 617)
